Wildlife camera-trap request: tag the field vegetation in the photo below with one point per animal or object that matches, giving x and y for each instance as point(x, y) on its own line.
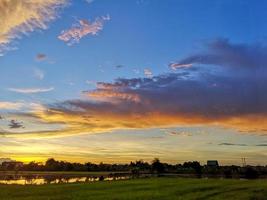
point(142, 189)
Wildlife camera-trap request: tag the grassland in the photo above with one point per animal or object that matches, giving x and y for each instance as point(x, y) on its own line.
point(142, 189)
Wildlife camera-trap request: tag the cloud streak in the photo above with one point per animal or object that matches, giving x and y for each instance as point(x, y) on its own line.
point(22, 17)
point(19, 106)
point(31, 90)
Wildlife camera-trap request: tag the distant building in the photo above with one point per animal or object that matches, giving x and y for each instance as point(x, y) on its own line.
point(10, 164)
point(2, 160)
point(212, 163)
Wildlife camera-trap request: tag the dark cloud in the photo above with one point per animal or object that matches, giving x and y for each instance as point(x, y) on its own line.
point(261, 145)
point(222, 52)
point(41, 57)
point(231, 144)
point(234, 144)
point(13, 124)
point(119, 66)
point(231, 94)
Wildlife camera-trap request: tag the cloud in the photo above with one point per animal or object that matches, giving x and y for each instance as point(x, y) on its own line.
point(136, 71)
point(41, 57)
point(22, 17)
point(20, 105)
point(89, 1)
point(179, 133)
point(175, 66)
point(234, 144)
point(222, 52)
point(231, 144)
point(5, 105)
point(39, 74)
point(119, 66)
point(148, 73)
point(84, 28)
point(89, 82)
point(206, 95)
point(13, 124)
point(31, 90)
point(261, 145)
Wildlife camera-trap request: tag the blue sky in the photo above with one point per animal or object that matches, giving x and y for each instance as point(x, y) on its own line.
point(52, 86)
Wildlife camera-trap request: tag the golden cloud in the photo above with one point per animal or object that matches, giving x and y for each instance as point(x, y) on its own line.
point(92, 122)
point(21, 17)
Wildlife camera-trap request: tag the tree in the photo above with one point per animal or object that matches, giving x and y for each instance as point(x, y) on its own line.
point(52, 165)
point(157, 166)
point(251, 173)
point(194, 165)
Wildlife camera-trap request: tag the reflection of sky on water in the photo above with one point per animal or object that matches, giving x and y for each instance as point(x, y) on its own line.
point(51, 180)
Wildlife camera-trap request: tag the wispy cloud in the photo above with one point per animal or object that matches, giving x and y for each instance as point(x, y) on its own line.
point(20, 106)
point(19, 17)
point(148, 73)
point(175, 66)
point(89, 1)
point(179, 133)
point(5, 105)
point(82, 29)
point(39, 74)
point(31, 90)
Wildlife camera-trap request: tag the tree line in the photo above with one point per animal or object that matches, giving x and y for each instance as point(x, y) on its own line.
point(190, 168)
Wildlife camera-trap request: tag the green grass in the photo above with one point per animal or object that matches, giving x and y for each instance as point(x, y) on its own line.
point(143, 189)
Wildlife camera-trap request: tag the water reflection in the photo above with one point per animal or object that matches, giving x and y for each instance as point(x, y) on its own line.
point(55, 179)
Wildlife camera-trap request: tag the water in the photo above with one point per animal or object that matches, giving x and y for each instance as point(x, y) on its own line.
point(54, 179)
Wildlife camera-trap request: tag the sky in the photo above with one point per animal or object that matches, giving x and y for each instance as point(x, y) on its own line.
point(122, 80)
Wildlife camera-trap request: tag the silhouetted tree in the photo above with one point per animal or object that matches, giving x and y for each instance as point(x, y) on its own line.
point(251, 173)
point(157, 166)
point(195, 166)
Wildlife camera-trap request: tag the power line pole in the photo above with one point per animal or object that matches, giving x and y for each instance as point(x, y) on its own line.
point(244, 162)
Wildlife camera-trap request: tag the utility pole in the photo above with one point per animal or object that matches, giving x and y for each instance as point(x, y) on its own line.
point(244, 162)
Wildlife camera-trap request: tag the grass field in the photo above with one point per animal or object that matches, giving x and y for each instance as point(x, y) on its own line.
point(142, 189)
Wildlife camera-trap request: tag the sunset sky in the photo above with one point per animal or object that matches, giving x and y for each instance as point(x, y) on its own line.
point(122, 80)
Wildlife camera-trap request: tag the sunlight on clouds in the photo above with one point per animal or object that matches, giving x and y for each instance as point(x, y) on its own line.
point(4, 105)
point(92, 122)
point(19, 17)
point(84, 28)
point(20, 105)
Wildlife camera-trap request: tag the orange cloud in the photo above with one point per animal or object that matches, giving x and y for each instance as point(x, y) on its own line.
point(234, 98)
point(104, 120)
